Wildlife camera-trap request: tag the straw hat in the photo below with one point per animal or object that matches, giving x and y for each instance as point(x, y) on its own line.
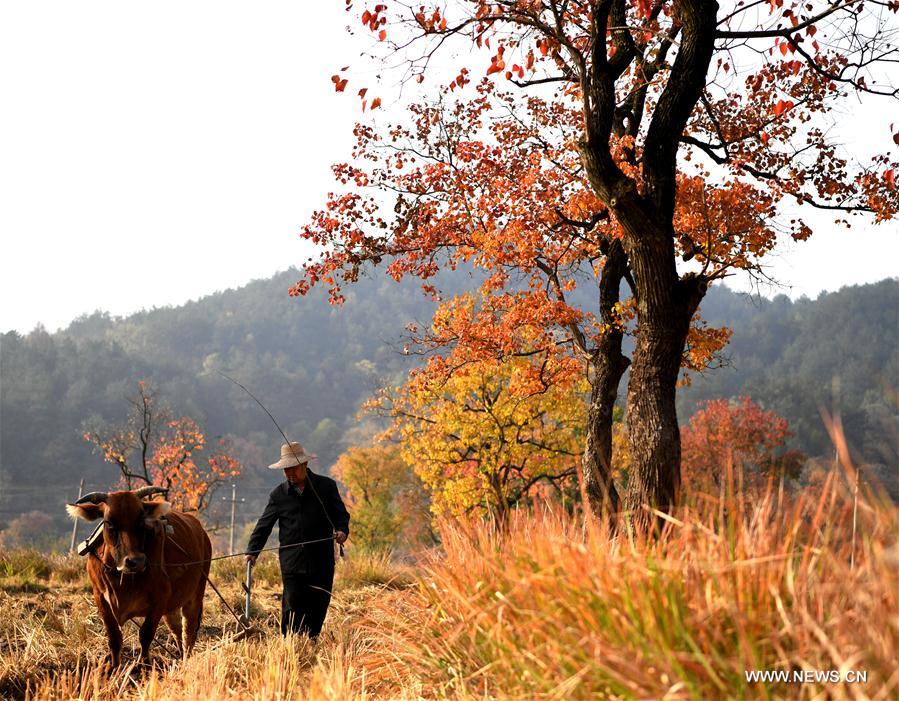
point(292, 454)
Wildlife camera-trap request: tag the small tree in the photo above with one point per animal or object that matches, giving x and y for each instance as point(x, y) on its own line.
point(153, 447)
point(483, 435)
point(388, 502)
point(34, 529)
point(738, 432)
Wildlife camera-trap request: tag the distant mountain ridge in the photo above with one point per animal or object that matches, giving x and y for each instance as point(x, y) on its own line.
point(312, 365)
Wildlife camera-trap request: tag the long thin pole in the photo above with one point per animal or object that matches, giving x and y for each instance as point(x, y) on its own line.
point(233, 506)
point(234, 501)
point(75, 523)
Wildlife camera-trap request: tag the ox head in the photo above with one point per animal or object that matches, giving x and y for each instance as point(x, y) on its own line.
point(128, 522)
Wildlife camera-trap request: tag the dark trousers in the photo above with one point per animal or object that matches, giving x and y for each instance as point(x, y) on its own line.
point(304, 604)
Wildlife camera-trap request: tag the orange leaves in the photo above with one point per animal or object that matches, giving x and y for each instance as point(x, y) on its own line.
point(360, 178)
point(174, 462)
point(374, 18)
point(801, 231)
point(728, 225)
point(583, 205)
point(878, 185)
point(497, 63)
point(516, 70)
point(781, 107)
point(755, 82)
point(151, 447)
point(497, 207)
point(460, 80)
point(622, 150)
point(431, 24)
point(704, 344)
point(339, 83)
point(795, 66)
point(737, 432)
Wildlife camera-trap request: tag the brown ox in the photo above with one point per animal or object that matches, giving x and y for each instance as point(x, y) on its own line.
point(135, 572)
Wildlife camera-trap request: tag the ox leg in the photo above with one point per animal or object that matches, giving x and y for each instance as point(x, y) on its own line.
point(192, 614)
point(113, 632)
point(173, 621)
point(147, 633)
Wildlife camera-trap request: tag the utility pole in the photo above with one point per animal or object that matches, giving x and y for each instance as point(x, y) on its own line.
point(233, 501)
point(75, 521)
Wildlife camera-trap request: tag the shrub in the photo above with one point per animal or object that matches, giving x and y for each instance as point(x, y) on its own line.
point(25, 562)
point(34, 529)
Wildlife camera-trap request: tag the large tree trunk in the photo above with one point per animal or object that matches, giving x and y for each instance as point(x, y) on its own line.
point(665, 306)
point(608, 365)
point(665, 303)
point(652, 427)
point(602, 496)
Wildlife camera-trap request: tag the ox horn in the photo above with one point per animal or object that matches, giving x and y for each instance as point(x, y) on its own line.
point(145, 492)
point(93, 498)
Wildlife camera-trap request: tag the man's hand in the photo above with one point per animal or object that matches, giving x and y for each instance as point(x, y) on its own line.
point(340, 536)
point(252, 558)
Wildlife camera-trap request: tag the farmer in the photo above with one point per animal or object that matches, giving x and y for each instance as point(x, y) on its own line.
point(306, 507)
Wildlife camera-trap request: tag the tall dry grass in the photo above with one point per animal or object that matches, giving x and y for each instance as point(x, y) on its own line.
point(551, 609)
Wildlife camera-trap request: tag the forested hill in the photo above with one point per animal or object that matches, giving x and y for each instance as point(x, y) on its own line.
point(313, 364)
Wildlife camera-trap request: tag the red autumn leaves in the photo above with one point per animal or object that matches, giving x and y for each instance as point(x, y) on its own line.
point(339, 83)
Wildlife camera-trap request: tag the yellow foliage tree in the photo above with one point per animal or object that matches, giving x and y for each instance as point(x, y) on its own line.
point(482, 437)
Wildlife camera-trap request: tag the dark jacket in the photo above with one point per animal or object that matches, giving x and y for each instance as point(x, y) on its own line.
point(301, 518)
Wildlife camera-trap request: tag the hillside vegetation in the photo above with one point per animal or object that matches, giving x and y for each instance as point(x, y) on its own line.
point(313, 364)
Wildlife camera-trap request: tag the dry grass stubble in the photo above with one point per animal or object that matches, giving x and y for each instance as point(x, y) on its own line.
point(52, 641)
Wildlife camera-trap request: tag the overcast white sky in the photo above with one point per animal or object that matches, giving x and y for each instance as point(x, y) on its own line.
point(152, 153)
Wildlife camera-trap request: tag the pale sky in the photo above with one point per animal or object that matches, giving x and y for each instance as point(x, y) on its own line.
point(152, 153)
